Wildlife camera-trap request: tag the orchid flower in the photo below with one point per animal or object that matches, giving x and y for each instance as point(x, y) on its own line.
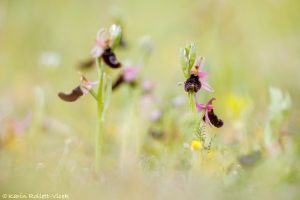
point(196, 79)
point(105, 43)
point(206, 107)
point(209, 117)
point(199, 64)
point(81, 90)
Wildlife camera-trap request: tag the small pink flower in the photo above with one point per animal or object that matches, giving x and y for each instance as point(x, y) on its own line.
point(207, 108)
point(199, 64)
point(130, 73)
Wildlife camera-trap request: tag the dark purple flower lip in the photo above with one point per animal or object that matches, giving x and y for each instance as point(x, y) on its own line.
point(73, 96)
point(109, 57)
point(192, 84)
point(214, 120)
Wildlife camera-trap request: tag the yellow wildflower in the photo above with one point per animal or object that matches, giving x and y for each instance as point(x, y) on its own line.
point(196, 145)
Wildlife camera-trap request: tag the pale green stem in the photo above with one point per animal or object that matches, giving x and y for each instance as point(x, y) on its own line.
point(192, 101)
point(100, 120)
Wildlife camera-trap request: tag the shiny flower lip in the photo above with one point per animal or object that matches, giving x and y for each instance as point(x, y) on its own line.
point(109, 57)
point(192, 84)
point(214, 120)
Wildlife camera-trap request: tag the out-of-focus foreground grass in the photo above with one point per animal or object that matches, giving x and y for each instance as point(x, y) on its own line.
point(250, 47)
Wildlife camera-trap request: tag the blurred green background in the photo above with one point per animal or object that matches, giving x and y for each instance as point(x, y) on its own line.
point(249, 46)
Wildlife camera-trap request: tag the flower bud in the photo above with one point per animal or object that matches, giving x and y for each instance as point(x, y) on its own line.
point(116, 34)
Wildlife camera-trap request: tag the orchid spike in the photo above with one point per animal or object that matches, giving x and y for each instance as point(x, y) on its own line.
point(206, 107)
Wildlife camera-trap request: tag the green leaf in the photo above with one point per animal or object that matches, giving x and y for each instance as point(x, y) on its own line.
point(107, 88)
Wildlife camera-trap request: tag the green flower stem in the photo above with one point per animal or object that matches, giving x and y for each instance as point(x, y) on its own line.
point(100, 118)
point(192, 101)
